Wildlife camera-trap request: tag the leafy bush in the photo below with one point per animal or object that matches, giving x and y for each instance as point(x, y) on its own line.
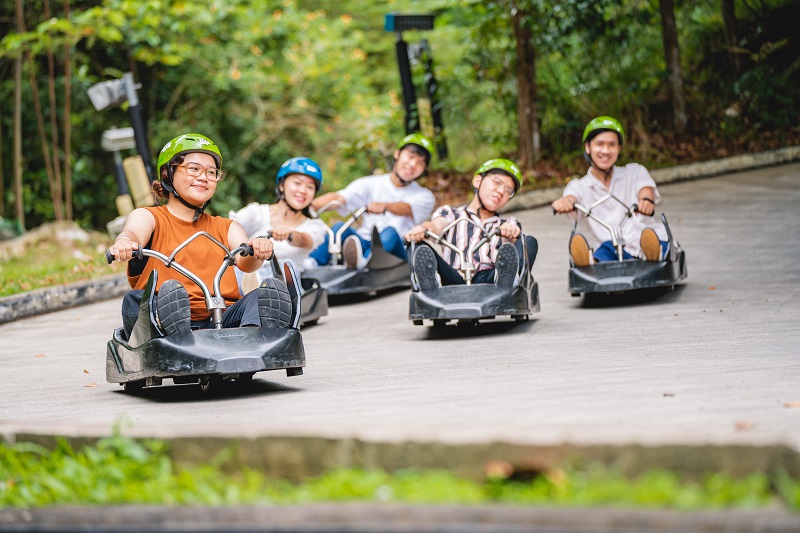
point(119, 470)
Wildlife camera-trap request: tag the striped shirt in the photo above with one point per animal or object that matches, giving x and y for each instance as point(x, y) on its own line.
point(465, 235)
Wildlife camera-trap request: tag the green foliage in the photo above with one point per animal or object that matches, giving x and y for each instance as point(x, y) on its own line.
point(118, 470)
point(272, 79)
point(66, 262)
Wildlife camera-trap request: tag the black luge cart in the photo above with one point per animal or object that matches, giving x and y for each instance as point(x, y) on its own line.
point(205, 356)
point(473, 302)
point(625, 275)
point(382, 271)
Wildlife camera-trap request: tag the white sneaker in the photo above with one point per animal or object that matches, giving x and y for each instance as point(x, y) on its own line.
point(352, 253)
point(309, 262)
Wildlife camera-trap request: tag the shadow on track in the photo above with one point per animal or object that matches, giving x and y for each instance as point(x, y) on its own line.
point(481, 329)
point(657, 296)
point(193, 393)
point(350, 299)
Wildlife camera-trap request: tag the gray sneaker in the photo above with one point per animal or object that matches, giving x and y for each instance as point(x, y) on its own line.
point(506, 265)
point(274, 304)
point(425, 268)
point(172, 308)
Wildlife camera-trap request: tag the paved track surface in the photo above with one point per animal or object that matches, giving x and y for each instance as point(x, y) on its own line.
point(394, 518)
point(716, 361)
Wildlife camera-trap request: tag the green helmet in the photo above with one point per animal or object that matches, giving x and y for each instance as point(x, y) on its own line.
point(186, 143)
point(503, 165)
point(600, 124)
point(420, 140)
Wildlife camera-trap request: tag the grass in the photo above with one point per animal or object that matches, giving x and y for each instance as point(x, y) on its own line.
point(119, 470)
point(47, 263)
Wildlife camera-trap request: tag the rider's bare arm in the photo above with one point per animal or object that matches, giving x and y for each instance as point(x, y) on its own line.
point(646, 200)
point(565, 204)
point(324, 199)
point(262, 248)
point(295, 238)
point(400, 209)
point(139, 226)
point(417, 233)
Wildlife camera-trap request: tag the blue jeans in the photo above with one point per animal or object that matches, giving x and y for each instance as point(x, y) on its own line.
point(390, 239)
point(243, 312)
point(607, 252)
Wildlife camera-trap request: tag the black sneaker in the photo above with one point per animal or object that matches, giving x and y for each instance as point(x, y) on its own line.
point(172, 308)
point(425, 268)
point(274, 304)
point(506, 265)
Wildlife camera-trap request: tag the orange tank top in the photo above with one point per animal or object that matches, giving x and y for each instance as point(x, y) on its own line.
point(201, 257)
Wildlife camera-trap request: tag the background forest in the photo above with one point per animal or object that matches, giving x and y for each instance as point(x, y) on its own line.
point(269, 80)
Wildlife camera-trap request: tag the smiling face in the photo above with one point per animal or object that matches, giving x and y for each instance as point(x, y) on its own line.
point(495, 189)
point(409, 165)
point(195, 189)
point(298, 190)
point(604, 149)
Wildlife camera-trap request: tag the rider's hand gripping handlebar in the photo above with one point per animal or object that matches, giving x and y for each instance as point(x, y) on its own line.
point(137, 253)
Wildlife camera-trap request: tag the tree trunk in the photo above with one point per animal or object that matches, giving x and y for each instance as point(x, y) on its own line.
point(51, 92)
point(672, 57)
point(2, 177)
point(48, 163)
point(529, 143)
point(729, 18)
point(19, 204)
point(67, 121)
point(37, 105)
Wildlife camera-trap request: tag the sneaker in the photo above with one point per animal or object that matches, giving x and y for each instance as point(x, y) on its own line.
point(172, 308)
point(353, 253)
point(579, 251)
point(651, 246)
point(309, 262)
point(506, 266)
point(425, 268)
point(274, 304)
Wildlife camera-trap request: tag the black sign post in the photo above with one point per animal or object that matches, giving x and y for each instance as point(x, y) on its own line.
point(422, 52)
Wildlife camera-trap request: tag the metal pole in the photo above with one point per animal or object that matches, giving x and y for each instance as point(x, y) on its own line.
point(432, 86)
point(409, 95)
point(139, 124)
point(119, 172)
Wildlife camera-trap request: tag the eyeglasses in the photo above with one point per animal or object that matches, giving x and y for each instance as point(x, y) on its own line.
point(500, 184)
point(195, 170)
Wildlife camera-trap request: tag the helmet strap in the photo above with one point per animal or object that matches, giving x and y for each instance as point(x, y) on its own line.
point(167, 184)
point(481, 206)
point(606, 173)
point(282, 198)
point(404, 183)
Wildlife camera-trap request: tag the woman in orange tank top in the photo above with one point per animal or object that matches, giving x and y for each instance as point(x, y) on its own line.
point(189, 168)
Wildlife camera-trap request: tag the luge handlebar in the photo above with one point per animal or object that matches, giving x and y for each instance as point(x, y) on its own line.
point(137, 253)
point(214, 302)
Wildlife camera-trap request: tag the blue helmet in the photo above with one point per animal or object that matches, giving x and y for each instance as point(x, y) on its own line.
point(299, 165)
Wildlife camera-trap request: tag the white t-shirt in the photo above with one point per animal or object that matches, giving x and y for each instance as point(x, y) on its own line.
point(381, 189)
point(255, 219)
point(626, 182)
